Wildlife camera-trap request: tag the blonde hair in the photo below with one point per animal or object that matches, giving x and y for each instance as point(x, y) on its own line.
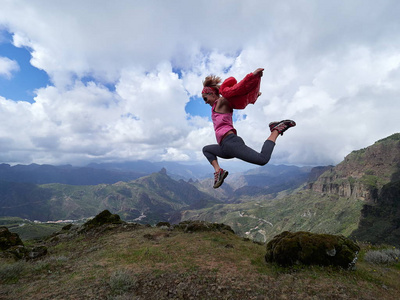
point(212, 81)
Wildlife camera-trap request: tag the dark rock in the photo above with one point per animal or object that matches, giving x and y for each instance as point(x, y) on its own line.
point(37, 252)
point(196, 226)
point(105, 217)
point(67, 227)
point(21, 252)
point(308, 248)
point(149, 236)
point(160, 224)
point(8, 239)
point(17, 252)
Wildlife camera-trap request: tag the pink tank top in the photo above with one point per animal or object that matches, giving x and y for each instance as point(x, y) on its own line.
point(222, 123)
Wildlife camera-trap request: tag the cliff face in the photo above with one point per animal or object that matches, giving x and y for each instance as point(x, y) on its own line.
point(380, 222)
point(363, 173)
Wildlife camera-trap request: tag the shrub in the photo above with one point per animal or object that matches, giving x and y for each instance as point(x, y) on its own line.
point(9, 273)
point(121, 281)
point(384, 256)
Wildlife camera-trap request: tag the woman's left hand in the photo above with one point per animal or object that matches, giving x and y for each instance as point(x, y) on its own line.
point(258, 72)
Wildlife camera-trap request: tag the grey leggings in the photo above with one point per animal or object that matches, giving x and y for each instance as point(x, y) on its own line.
point(234, 146)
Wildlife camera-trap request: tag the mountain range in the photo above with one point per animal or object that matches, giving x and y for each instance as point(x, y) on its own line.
point(359, 197)
point(94, 174)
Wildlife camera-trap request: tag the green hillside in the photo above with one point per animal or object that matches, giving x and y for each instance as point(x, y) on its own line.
point(28, 230)
point(131, 261)
point(301, 211)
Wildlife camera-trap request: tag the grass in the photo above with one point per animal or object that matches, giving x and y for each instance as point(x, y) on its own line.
point(153, 263)
point(121, 281)
point(10, 273)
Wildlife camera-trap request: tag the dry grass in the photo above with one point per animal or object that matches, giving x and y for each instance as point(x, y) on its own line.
point(154, 263)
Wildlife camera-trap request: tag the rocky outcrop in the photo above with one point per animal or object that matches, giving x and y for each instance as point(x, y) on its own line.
point(308, 248)
point(8, 239)
point(334, 182)
point(12, 246)
point(105, 217)
point(318, 171)
point(363, 173)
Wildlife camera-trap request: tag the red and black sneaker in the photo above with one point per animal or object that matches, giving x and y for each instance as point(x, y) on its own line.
point(281, 126)
point(273, 124)
point(219, 178)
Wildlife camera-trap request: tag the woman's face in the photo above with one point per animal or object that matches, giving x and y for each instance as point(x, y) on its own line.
point(210, 98)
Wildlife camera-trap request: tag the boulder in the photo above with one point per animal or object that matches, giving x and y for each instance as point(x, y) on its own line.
point(105, 217)
point(8, 239)
point(36, 252)
point(291, 248)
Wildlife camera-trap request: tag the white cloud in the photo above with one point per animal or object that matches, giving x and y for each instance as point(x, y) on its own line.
point(7, 67)
point(334, 67)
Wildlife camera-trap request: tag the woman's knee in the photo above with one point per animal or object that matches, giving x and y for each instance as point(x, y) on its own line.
point(264, 161)
point(205, 149)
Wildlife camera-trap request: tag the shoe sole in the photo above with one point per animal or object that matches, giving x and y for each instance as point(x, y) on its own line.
point(289, 123)
point(218, 184)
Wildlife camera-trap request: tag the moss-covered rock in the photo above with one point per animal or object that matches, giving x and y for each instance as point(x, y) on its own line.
point(308, 248)
point(8, 239)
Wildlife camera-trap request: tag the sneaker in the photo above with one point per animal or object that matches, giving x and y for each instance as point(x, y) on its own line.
point(272, 125)
point(219, 178)
point(281, 126)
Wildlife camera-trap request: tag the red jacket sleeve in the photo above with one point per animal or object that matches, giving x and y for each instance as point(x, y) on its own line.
point(241, 94)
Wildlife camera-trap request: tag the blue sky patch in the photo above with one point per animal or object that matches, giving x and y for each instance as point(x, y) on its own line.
point(197, 107)
point(23, 83)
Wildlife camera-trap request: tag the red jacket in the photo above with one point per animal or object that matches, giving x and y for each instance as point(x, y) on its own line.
point(241, 94)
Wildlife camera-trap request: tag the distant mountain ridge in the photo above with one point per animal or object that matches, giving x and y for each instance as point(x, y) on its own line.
point(49, 193)
point(42, 174)
point(98, 173)
point(153, 198)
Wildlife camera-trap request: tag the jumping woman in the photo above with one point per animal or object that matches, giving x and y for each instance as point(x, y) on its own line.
point(223, 99)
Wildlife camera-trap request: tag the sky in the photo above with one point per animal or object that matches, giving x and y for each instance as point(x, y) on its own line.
point(111, 81)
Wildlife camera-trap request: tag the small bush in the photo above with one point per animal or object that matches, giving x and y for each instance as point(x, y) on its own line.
point(61, 259)
point(121, 281)
point(48, 264)
point(10, 273)
point(383, 257)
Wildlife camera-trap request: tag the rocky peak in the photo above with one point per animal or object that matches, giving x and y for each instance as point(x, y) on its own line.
point(163, 171)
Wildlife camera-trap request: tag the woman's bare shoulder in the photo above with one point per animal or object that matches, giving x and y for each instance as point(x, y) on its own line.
point(223, 106)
